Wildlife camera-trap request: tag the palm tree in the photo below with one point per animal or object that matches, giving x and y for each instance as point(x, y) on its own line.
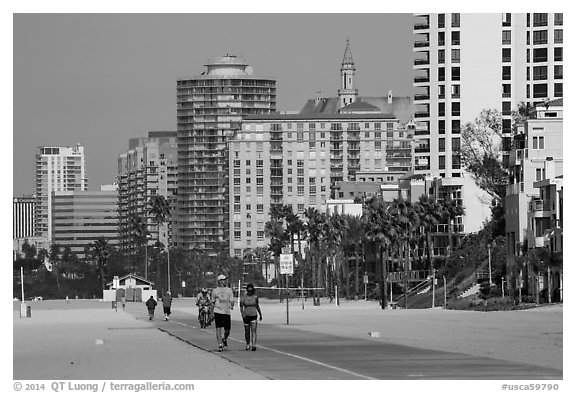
point(429, 214)
point(404, 219)
point(159, 208)
point(355, 236)
point(101, 253)
point(334, 232)
point(314, 224)
point(379, 230)
point(450, 209)
point(139, 230)
point(274, 229)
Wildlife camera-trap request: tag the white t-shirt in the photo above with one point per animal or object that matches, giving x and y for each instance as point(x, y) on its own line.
point(223, 299)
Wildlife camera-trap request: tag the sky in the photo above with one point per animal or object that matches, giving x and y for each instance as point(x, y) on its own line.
point(100, 79)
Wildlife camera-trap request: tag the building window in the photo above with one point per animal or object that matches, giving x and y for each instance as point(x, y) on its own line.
point(441, 56)
point(378, 135)
point(441, 20)
point(455, 55)
point(456, 162)
point(506, 73)
point(506, 108)
point(441, 144)
point(455, 91)
point(539, 174)
point(540, 73)
point(441, 109)
point(455, 145)
point(540, 20)
point(237, 235)
point(506, 55)
point(441, 91)
point(260, 208)
point(455, 109)
point(455, 126)
point(506, 128)
point(558, 19)
point(300, 136)
point(558, 54)
point(558, 90)
point(441, 126)
point(441, 38)
point(236, 163)
point(506, 37)
point(455, 73)
point(527, 91)
point(378, 145)
point(558, 72)
point(312, 190)
point(527, 20)
point(455, 38)
point(237, 208)
point(259, 235)
point(540, 90)
point(506, 20)
point(538, 142)
point(540, 37)
point(455, 20)
point(300, 190)
point(441, 74)
point(527, 55)
point(259, 163)
point(558, 36)
point(506, 90)
point(441, 162)
point(540, 55)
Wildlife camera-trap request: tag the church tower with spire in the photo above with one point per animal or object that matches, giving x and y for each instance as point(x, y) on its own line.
point(347, 94)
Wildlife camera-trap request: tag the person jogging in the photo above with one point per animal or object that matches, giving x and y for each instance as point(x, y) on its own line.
point(250, 309)
point(204, 307)
point(167, 303)
point(151, 306)
point(223, 301)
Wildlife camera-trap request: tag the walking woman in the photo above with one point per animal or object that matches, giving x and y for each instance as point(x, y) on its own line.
point(250, 310)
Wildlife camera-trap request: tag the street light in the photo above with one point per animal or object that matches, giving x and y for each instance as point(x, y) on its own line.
point(489, 265)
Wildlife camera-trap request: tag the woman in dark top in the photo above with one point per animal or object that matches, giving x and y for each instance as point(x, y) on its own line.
point(250, 310)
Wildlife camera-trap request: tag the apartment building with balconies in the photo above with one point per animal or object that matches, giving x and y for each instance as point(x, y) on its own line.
point(464, 63)
point(210, 108)
point(148, 168)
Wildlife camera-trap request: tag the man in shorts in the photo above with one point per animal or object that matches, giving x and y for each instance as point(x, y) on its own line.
point(223, 303)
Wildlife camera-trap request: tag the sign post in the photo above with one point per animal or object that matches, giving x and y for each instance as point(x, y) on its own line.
point(287, 268)
point(365, 286)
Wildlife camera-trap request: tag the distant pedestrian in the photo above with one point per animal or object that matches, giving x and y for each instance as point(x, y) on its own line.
point(250, 309)
point(223, 303)
point(167, 303)
point(151, 305)
point(204, 308)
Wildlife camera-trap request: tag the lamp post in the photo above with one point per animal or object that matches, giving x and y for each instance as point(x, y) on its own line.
point(489, 265)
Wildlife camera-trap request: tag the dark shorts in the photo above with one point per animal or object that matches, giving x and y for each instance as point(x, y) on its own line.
point(167, 310)
point(222, 321)
point(249, 318)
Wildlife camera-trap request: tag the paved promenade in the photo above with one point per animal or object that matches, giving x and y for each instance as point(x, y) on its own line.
point(89, 340)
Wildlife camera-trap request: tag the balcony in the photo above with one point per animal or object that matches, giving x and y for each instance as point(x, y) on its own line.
point(421, 79)
point(422, 149)
point(421, 44)
point(421, 97)
point(422, 114)
point(418, 62)
point(539, 205)
point(421, 25)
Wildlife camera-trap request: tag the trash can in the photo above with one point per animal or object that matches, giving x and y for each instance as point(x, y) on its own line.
point(114, 304)
point(25, 311)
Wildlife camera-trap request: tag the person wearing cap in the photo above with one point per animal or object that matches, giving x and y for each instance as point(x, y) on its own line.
point(223, 303)
point(250, 310)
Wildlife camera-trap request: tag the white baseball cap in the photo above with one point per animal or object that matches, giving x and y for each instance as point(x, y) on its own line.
point(222, 277)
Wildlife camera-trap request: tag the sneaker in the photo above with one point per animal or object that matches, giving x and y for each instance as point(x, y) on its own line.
point(225, 342)
point(220, 349)
point(254, 347)
point(248, 347)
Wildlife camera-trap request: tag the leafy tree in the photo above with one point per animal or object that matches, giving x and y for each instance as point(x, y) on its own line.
point(481, 148)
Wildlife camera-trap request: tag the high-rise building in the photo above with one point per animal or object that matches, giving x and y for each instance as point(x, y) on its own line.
point(299, 160)
point(79, 218)
point(57, 169)
point(465, 63)
point(147, 169)
point(210, 109)
point(23, 217)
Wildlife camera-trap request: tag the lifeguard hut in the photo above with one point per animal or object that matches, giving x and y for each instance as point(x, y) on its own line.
point(131, 287)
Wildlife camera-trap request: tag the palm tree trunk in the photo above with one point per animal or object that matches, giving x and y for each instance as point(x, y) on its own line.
point(384, 287)
point(313, 267)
